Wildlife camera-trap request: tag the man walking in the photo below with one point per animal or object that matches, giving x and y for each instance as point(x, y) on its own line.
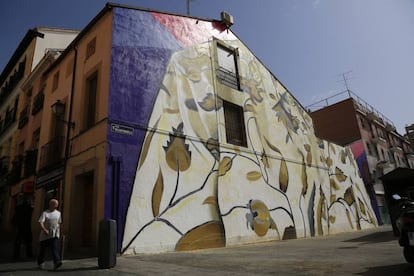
point(50, 221)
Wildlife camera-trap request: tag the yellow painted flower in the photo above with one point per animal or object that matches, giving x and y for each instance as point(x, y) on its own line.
point(259, 217)
point(177, 152)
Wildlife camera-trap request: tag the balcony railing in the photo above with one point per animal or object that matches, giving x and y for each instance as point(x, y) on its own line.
point(30, 159)
point(51, 154)
point(38, 102)
point(16, 171)
point(23, 117)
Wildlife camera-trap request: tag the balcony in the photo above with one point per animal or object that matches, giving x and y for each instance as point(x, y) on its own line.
point(30, 162)
point(16, 171)
point(23, 117)
point(51, 154)
point(38, 102)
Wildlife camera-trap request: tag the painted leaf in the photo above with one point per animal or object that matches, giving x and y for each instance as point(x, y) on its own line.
point(253, 176)
point(309, 159)
point(213, 147)
point(249, 108)
point(157, 193)
point(304, 178)
point(272, 96)
point(272, 147)
point(343, 156)
point(209, 103)
point(307, 147)
point(333, 198)
point(340, 175)
point(332, 219)
point(349, 196)
point(334, 185)
point(311, 211)
point(333, 149)
point(225, 165)
point(321, 211)
point(178, 155)
point(210, 200)
point(362, 207)
point(208, 235)
point(329, 161)
point(265, 160)
point(191, 104)
point(147, 144)
point(348, 215)
point(283, 176)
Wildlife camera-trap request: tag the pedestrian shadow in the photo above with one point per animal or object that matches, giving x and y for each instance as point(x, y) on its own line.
point(377, 237)
point(36, 269)
point(403, 269)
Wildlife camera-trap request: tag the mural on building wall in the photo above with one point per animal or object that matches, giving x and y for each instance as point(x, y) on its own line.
point(192, 190)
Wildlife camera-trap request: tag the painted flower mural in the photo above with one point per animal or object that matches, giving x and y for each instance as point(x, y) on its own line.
point(193, 190)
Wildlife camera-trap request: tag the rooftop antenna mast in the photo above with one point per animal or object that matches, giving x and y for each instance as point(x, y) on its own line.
point(346, 79)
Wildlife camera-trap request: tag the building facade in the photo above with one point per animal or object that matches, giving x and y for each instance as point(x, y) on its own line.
point(18, 157)
point(376, 144)
point(170, 125)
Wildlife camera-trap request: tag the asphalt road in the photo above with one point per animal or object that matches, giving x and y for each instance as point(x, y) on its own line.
point(370, 252)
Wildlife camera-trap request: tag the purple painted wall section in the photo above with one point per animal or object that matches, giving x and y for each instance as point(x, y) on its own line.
point(138, 64)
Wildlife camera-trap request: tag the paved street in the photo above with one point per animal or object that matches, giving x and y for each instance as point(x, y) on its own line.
point(370, 252)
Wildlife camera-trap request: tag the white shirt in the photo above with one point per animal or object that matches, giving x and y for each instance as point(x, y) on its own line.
point(51, 221)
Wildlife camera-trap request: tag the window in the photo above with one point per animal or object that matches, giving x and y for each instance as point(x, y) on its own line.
point(55, 81)
point(376, 152)
point(36, 138)
point(90, 48)
point(369, 148)
point(234, 122)
point(90, 100)
point(227, 71)
point(391, 155)
point(20, 149)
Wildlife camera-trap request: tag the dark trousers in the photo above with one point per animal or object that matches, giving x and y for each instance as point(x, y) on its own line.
point(24, 235)
point(53, 244)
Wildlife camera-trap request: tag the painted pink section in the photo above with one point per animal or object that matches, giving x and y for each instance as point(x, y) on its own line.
point(190, 31)
point(357, 148)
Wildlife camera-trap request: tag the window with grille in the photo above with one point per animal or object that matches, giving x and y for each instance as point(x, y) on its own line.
point(90, 48)
point(227, 71)
point(234, 122)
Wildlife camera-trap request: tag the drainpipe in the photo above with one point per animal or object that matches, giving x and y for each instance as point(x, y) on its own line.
point(67, 140)
point(72, 92)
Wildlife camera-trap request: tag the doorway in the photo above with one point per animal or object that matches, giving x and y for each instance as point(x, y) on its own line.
point(82, 212)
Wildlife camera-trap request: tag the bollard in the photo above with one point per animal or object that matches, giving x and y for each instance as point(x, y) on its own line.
point(107, 243)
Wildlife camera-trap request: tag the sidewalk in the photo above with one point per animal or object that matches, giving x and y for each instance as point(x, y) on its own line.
point(368, 252)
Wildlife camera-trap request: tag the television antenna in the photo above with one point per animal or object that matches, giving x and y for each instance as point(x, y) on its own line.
point(345, 79)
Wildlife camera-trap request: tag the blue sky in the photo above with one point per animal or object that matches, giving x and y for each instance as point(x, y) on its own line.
point(307, 44)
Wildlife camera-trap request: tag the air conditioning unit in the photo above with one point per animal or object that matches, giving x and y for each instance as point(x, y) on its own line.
point(227, 19)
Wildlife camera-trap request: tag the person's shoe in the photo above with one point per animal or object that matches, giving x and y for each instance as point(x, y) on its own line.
point(41, 266)
point(57, 265)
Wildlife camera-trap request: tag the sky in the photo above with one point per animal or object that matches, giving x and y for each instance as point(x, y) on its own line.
point(311, 46)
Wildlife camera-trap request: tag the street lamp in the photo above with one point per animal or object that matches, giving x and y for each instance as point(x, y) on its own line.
point(58, 108)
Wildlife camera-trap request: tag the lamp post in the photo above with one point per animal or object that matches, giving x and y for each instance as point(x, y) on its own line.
point(58, 108)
